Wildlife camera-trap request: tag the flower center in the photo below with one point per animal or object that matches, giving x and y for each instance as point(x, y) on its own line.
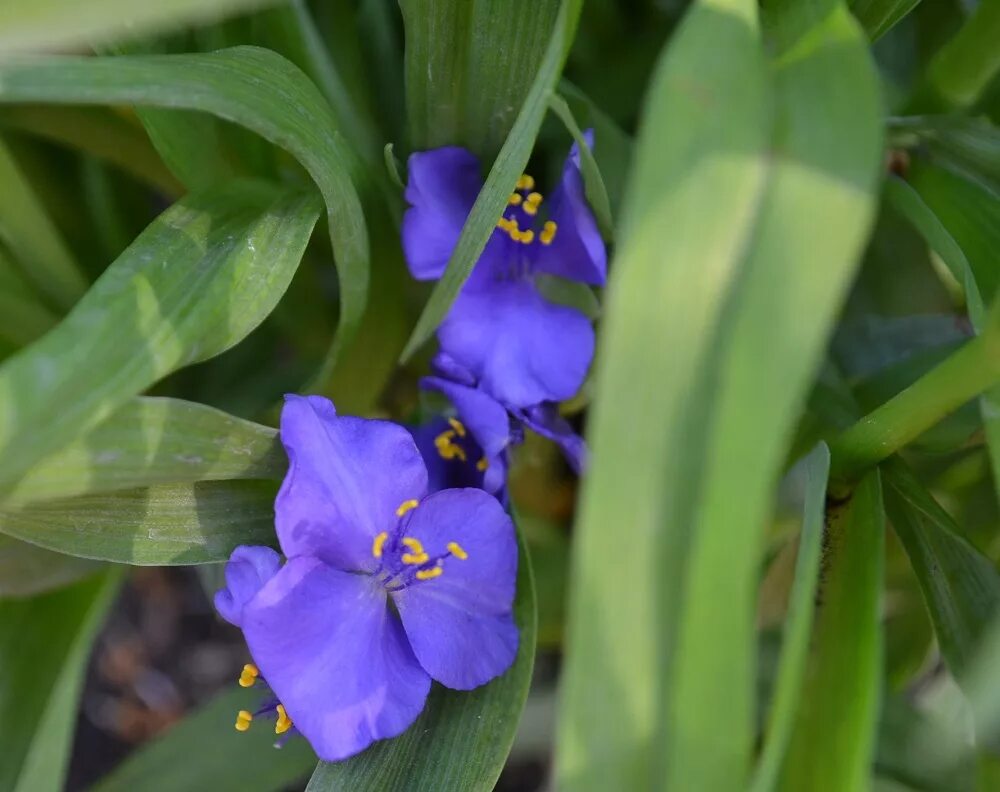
point(449, 448)
point(403, 560)
point(249, 677)
point(522, 207)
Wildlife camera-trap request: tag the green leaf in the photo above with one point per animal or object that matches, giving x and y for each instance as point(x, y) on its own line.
point(215, 755)
point(795, 645)
point(23, 317)
point(961, 586)
point(44, 647)
point(249, 86)
point(97, 131)
point(711, 258)
point(469, 68)
point(878, 16)
point(597, 194)
point(833, 741)
point(36, 24)
point(962, 69)
point(189, 144)
point(969, 146)
point(462, 738)
point(150, 441)
point(171, 524)
point(693, 195)
point(194, 283)
point(33, 240)
point(26, 570)
point(509, 164)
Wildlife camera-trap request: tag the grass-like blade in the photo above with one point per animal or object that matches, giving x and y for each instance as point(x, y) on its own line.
point(36, 24)
point(694, 192)
point(194, 283)
point(839, 703)
point(26, 570)
point(33, 239)
point(44, 647)
point(710, 257)
point(878, 16)
point(150, 441)
point(462, 738)
point(173, 524)
point(509, 165)
point(961, 586)
point(798, 624)
point(215, 755)
point(252, 87)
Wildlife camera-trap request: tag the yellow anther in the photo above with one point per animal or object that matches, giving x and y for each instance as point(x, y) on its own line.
point(447, 448)
point(407, 505)
point(249, 675)
point(243, 719)
point(527, 237)
point(430, 574)
point(526, 182)
point(379, 543)
point(548, 232)
point(530, 209)
point(482, 465)
point(413, 544)
point(458, 426)
point(534, 198)
point(415, 559)
point(284, 722)
point(515, 199)
point(456, 550)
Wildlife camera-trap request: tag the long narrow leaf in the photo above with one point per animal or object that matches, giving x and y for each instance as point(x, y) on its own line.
point(201, 277)
point(252, 87)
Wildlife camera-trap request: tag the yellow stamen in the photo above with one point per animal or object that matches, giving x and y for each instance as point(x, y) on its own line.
point(526, 182)
point(527, 237)
point(457, 426)
point(482, 465)
point(284, 722)
point(407, 505)
point(534, 198)
point(456, 550)
point(548, 232)
point(416, 559)
point(447, 448)
point(249, 675)
point(515, 199)
point(243, 719)
point(413, 544)
point(379, 543)
point(430, 574)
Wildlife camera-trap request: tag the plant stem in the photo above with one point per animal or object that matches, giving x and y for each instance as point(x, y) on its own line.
point(963, 376)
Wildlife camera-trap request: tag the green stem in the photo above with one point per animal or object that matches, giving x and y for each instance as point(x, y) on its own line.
point(963, 376)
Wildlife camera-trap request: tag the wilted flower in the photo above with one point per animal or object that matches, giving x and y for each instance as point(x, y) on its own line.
point(384, 589)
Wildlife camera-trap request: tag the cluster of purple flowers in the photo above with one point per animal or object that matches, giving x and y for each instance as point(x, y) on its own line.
point(400, 559)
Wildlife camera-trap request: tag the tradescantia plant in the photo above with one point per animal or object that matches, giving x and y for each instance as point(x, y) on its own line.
point(656, 340)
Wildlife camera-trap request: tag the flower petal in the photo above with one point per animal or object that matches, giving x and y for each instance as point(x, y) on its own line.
point(447, 472)
point(335, 656)
point(577, 252)
point(441, 189)
point(460, 624)
point(522, 348)
point(247, 570)
point(346, 478)
point(544, 419)
point(488, 423)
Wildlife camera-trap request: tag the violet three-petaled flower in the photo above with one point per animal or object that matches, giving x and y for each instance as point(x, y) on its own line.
point(385, 588)
point(520, 348)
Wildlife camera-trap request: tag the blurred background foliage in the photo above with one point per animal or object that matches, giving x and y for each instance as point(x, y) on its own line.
point(803, 203)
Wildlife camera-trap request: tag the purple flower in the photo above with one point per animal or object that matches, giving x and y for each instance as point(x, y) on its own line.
point(519, 348)
point(385, 587)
